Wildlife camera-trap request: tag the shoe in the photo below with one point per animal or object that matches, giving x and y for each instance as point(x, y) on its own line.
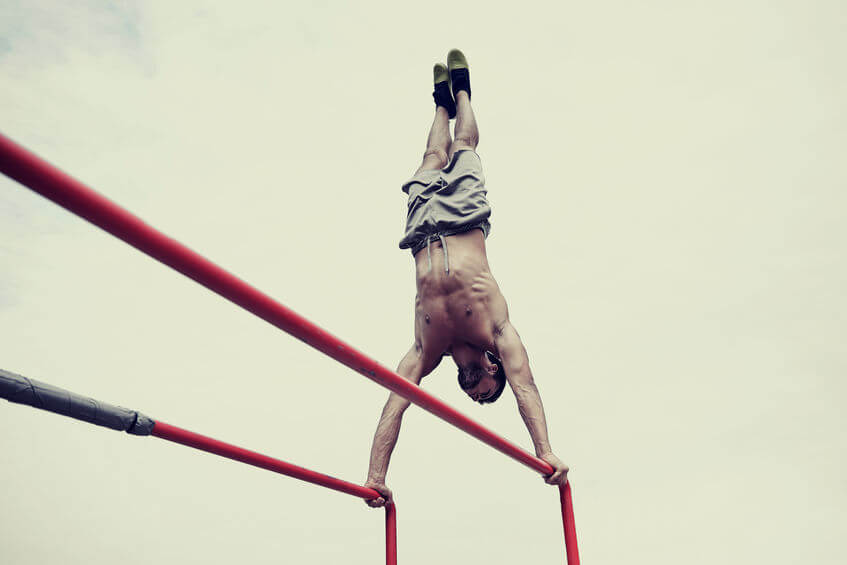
point(460, 78)
point(441, 93)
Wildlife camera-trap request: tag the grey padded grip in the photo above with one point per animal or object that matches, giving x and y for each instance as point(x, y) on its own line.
point(22, 390)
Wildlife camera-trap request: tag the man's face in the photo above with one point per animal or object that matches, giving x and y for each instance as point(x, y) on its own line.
point(470, 359)
point(484, 390)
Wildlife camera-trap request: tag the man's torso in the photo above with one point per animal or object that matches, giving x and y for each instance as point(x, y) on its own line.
point(455, 306)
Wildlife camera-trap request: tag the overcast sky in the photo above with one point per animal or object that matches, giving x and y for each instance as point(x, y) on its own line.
point(668, 185)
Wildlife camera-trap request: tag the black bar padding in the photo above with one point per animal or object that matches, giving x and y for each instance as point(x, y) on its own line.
point(22, 390)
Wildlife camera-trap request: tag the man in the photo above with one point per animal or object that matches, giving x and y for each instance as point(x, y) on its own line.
point(459, 310)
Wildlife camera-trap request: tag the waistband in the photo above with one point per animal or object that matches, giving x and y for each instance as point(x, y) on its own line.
point(442, 235)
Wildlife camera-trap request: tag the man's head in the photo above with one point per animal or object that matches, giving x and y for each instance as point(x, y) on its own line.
point(481, 374)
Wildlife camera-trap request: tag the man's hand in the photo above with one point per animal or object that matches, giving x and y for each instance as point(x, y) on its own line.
point(560, 470)
point(386, 498)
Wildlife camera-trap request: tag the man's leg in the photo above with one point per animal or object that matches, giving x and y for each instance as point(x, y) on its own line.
point(467, 133)
point(438, 142)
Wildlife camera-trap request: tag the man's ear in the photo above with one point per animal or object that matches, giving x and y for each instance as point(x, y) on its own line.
point(492, 369)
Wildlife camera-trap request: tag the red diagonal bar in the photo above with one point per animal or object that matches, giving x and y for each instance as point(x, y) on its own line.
point(28, 169)
point(22, 390)
point(42, 177)
point(211, 445)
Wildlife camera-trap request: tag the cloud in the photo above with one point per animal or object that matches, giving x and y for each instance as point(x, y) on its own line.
point(38, 35)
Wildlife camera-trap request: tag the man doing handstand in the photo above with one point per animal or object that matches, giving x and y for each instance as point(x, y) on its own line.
point(459, 309)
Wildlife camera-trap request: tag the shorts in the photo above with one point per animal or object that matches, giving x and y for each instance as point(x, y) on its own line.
point(446, 202)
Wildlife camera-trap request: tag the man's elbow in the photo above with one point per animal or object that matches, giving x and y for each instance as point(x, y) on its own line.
point(523, 384)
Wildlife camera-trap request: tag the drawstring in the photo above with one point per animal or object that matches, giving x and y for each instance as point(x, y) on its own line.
point(444, 247)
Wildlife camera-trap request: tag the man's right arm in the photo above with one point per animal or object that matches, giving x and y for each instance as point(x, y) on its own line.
point(385, 438)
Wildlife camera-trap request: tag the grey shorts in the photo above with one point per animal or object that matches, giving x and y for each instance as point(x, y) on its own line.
point(446, 202)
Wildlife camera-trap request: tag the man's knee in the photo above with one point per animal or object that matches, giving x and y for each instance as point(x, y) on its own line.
point(463, 142)
point(467, 141)
point(435, 157)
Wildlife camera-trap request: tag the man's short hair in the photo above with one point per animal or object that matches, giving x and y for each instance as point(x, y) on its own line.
point(470, 378)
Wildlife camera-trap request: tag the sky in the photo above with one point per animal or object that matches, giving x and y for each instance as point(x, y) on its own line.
point(668, 190)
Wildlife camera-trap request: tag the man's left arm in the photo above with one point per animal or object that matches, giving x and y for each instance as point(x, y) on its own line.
point(516, 366)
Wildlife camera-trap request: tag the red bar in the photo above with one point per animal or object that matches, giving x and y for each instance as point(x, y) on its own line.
point(211, 445)
point(571, 550)
point(35, 173)
point(391, 534)
point(45, 179)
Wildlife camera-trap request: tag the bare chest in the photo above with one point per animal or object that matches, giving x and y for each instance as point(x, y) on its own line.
point(458, 314)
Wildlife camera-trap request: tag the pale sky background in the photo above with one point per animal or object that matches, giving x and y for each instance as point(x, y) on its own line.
point(668, 183)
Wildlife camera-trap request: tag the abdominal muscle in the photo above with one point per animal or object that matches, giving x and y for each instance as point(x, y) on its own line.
point(454, 307)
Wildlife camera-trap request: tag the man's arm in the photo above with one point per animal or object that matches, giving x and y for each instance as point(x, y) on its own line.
point(516, 366)
point(411, 367)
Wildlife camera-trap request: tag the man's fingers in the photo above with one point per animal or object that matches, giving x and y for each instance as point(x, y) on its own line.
point(556, 478)
point(375, 502)
point(383, 492)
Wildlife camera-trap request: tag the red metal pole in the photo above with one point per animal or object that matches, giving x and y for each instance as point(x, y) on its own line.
point(391, 534)
point(211, 445)
point(571, 550)
point(45, 179)
point(42, 177)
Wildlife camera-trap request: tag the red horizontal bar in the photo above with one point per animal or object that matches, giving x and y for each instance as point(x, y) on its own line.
point(45, 179)
point(211, 445)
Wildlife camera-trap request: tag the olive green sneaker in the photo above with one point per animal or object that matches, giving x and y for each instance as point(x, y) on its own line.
point(441, 93)
point(460, 77)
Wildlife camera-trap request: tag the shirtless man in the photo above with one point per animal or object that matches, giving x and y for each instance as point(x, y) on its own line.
point(459, 310)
